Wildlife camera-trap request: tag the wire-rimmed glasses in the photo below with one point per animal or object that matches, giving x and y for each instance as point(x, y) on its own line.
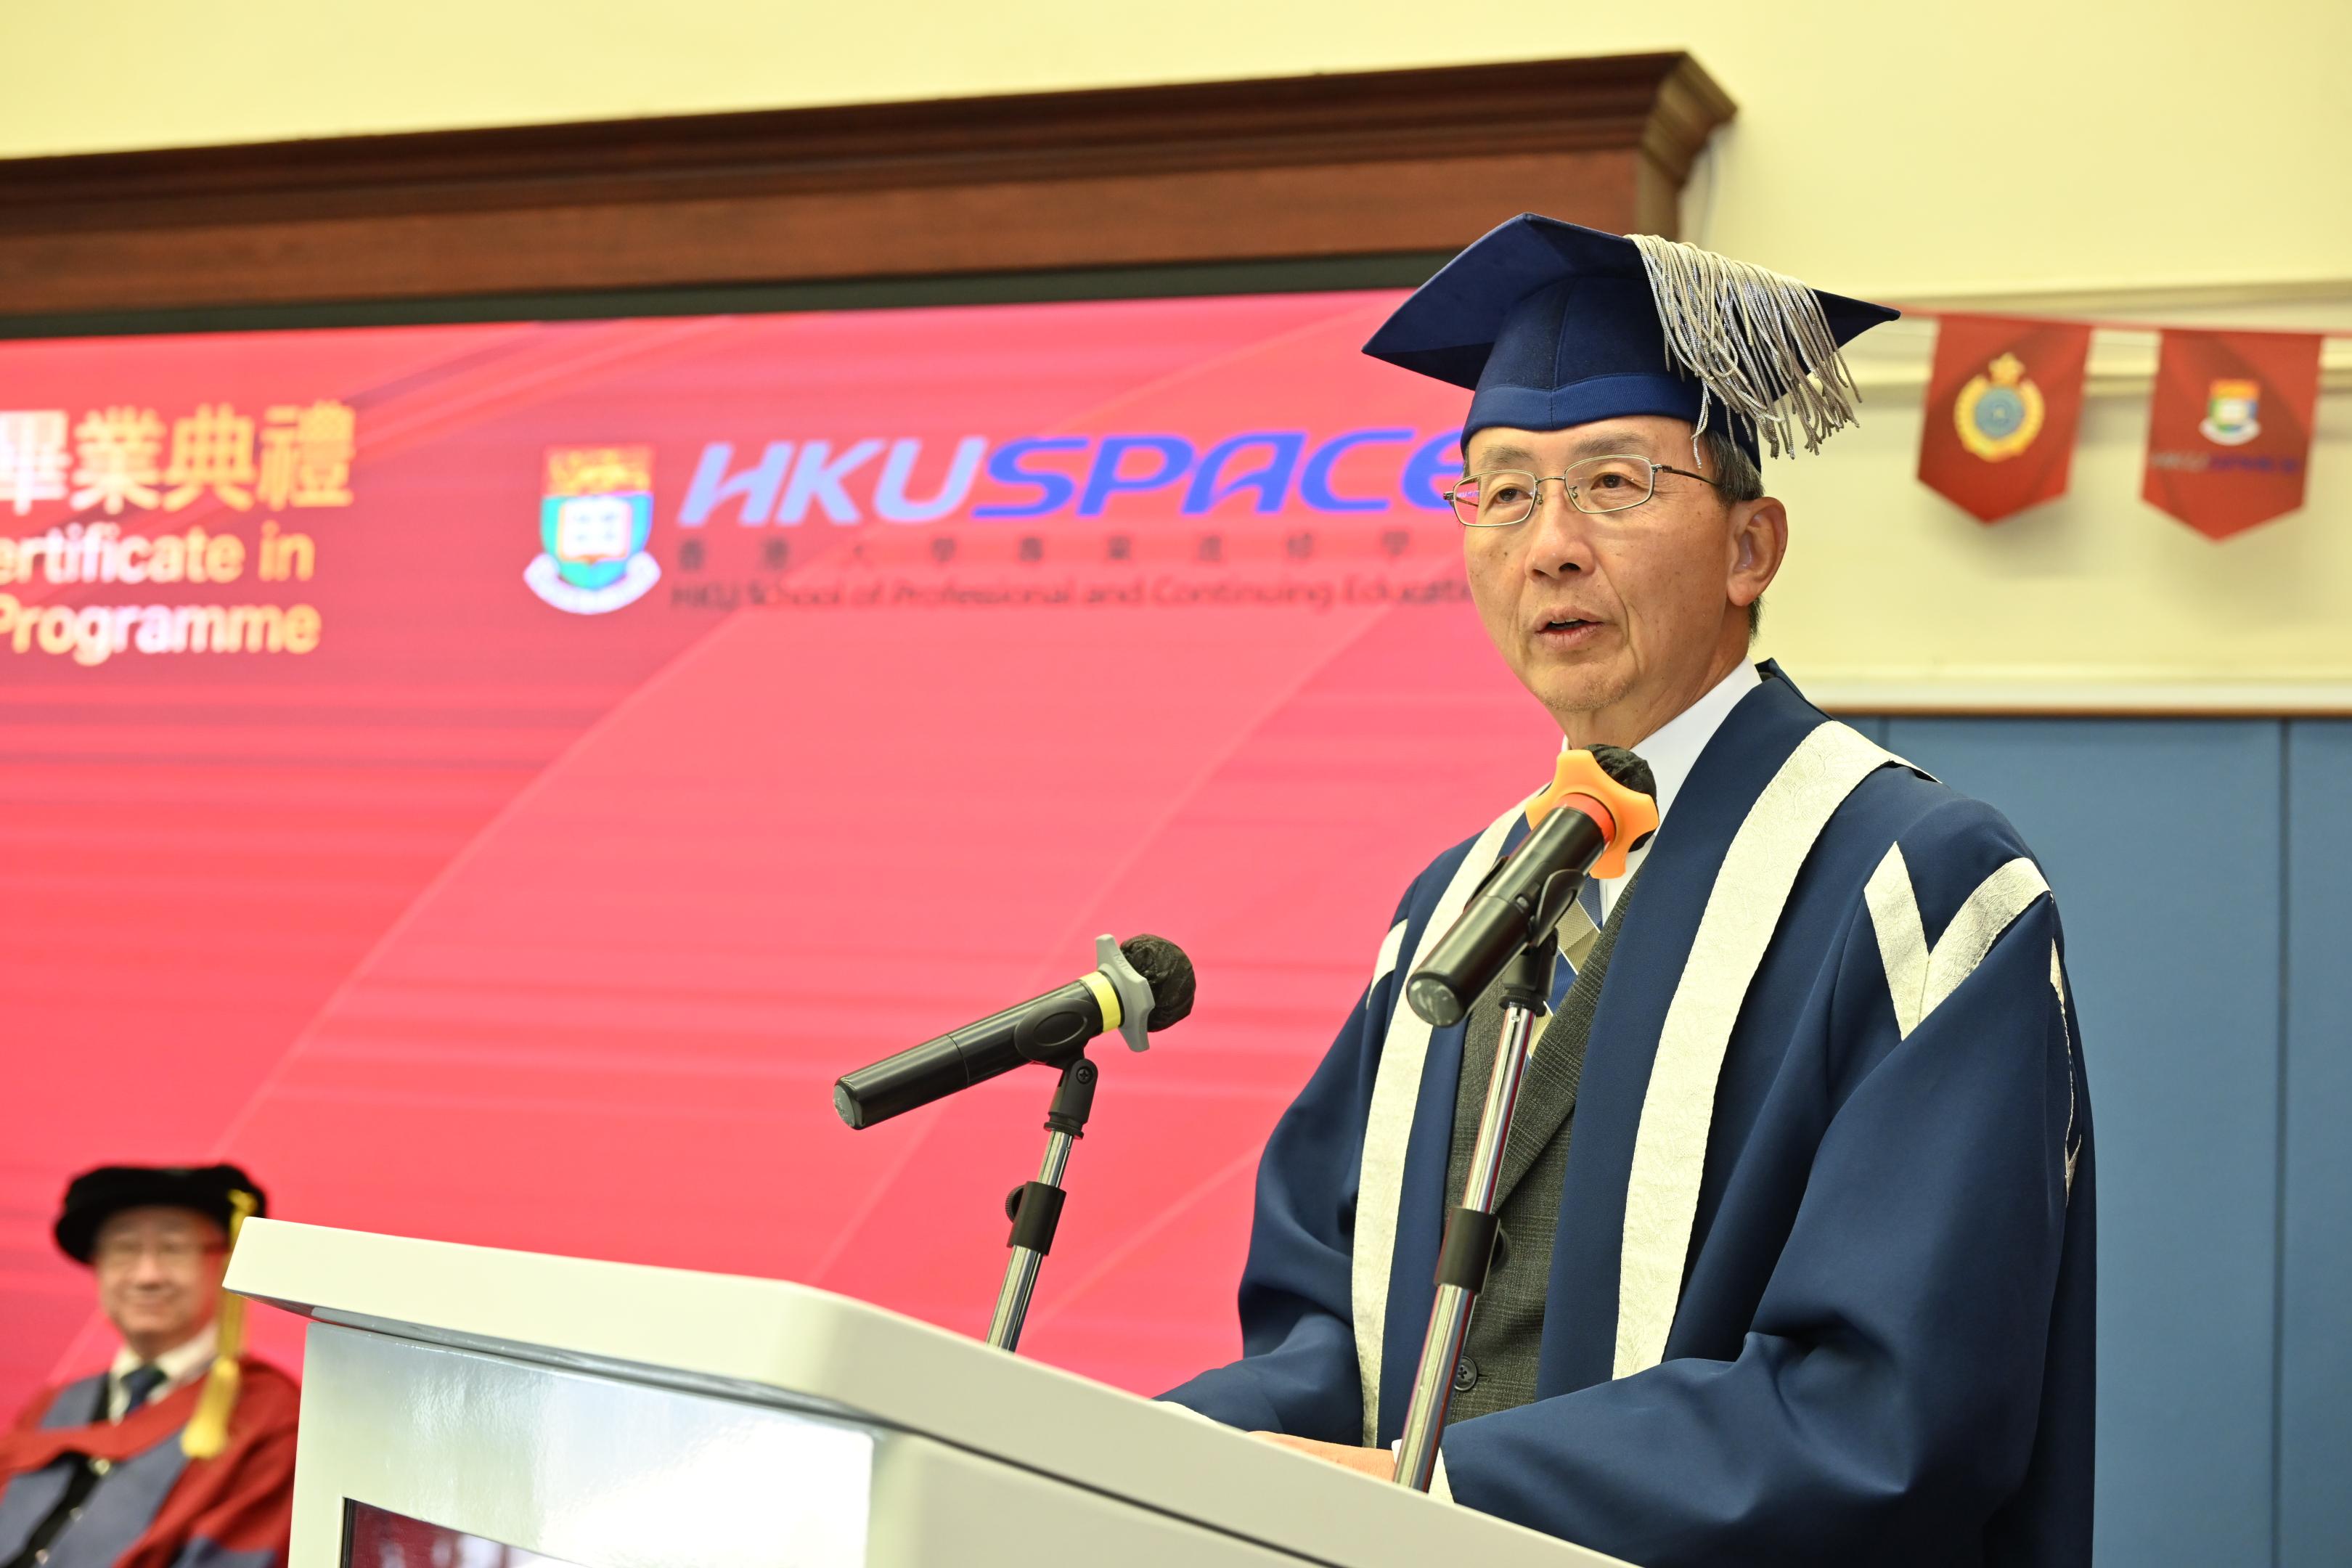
point(120, 1252)
point(1500, 498)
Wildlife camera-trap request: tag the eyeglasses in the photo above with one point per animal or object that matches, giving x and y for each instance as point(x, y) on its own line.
point(175, 1251)
point(1502, 497)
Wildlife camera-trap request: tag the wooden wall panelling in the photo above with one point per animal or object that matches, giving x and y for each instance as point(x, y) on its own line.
point(1304, 168)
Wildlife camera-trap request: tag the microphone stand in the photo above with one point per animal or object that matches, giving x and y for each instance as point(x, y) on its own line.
point(1469, 1245)
point(1035, 1207)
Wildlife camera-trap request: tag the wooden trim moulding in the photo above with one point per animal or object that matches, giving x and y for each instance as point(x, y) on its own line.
point(1283, 169)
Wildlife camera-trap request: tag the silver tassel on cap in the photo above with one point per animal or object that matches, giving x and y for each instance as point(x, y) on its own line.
point(1753, 338)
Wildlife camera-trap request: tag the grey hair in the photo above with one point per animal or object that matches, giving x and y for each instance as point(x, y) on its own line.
point(1733, 470)
point(1738, 479)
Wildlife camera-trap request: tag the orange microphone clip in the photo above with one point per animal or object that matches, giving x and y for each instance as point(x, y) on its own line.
point(1627, 814)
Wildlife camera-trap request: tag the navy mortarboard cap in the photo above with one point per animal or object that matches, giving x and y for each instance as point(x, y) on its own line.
point(95, 1196)
point(1555, 324)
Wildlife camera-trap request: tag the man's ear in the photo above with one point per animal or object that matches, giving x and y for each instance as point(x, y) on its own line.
point(1760, 542)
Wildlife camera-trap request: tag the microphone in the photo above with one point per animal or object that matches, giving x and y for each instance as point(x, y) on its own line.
point(1144, 984)
point(1600, 805)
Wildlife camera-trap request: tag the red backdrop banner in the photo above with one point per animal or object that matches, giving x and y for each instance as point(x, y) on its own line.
point(490, 780)
point(2228, 428)
point(2004, 400)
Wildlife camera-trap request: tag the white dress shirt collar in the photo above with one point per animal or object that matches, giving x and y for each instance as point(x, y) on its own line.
point(1672, 751)
point(180, 1366)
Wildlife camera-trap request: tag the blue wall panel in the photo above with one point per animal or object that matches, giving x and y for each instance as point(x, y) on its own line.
point(2172, 918)
point(2316, 1309)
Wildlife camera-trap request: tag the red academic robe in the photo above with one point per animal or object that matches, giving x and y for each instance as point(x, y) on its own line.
point(234, 1510)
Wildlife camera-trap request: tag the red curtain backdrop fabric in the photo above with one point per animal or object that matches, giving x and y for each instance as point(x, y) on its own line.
point(2004, 400)
point(2228, 428)
point(683, 711)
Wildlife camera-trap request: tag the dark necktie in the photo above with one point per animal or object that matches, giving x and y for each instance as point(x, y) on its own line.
point(141, 1384)
point(1563, 973)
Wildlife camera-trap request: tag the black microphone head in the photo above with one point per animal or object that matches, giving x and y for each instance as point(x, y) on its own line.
point(1630, 771)
point(1626, 768)
point(1167, 972)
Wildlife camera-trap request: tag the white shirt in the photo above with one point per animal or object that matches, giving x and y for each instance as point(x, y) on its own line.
point(180, 1366)
point(1672, 751)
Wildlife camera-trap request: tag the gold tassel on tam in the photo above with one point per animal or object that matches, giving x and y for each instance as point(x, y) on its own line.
point(1753, 338)
point(206, 1433)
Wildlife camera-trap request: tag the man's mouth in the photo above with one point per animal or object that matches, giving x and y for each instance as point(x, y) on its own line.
point(1568, 627)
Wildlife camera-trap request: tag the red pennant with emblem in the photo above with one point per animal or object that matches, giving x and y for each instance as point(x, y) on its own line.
point(2228, 428)
point(2004, 399)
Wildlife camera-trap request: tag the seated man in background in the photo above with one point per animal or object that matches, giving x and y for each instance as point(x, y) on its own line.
point(182, 1453)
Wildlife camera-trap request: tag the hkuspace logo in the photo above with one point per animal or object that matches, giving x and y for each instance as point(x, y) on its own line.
point(594, 522)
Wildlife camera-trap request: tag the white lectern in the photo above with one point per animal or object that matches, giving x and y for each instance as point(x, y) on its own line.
point(464, 1408)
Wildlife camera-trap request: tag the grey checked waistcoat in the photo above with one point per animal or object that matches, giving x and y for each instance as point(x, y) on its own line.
point(1498, 1366)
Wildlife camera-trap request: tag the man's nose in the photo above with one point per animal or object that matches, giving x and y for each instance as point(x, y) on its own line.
point(1559, 540)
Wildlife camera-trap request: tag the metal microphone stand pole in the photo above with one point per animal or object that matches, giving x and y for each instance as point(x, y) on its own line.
point(1470, 1229)
point(1035, 1207)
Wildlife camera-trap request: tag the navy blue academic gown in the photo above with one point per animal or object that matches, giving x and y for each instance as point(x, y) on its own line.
point(1882, 1339)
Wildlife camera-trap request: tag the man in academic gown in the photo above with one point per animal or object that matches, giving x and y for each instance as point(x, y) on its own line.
point(1796, 1212)
point(181, 1454)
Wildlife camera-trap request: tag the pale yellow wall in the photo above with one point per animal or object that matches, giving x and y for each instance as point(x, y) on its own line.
point(2171, 158)
point(1916, 147)
point(1895, 597)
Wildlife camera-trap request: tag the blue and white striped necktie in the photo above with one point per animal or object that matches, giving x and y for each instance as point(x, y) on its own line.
point(1563, 973)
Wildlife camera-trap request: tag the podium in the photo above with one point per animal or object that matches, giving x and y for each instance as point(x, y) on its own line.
point(466, 1407)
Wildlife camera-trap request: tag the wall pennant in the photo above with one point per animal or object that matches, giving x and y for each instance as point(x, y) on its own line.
point(2228, 428)
point(2004, 400)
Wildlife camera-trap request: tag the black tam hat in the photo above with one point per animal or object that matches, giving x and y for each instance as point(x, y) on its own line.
point(95, 1196)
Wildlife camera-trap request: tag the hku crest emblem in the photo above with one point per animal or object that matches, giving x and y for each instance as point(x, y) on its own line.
point(594, 516)
point(2229, 408)
point(2000, 411)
